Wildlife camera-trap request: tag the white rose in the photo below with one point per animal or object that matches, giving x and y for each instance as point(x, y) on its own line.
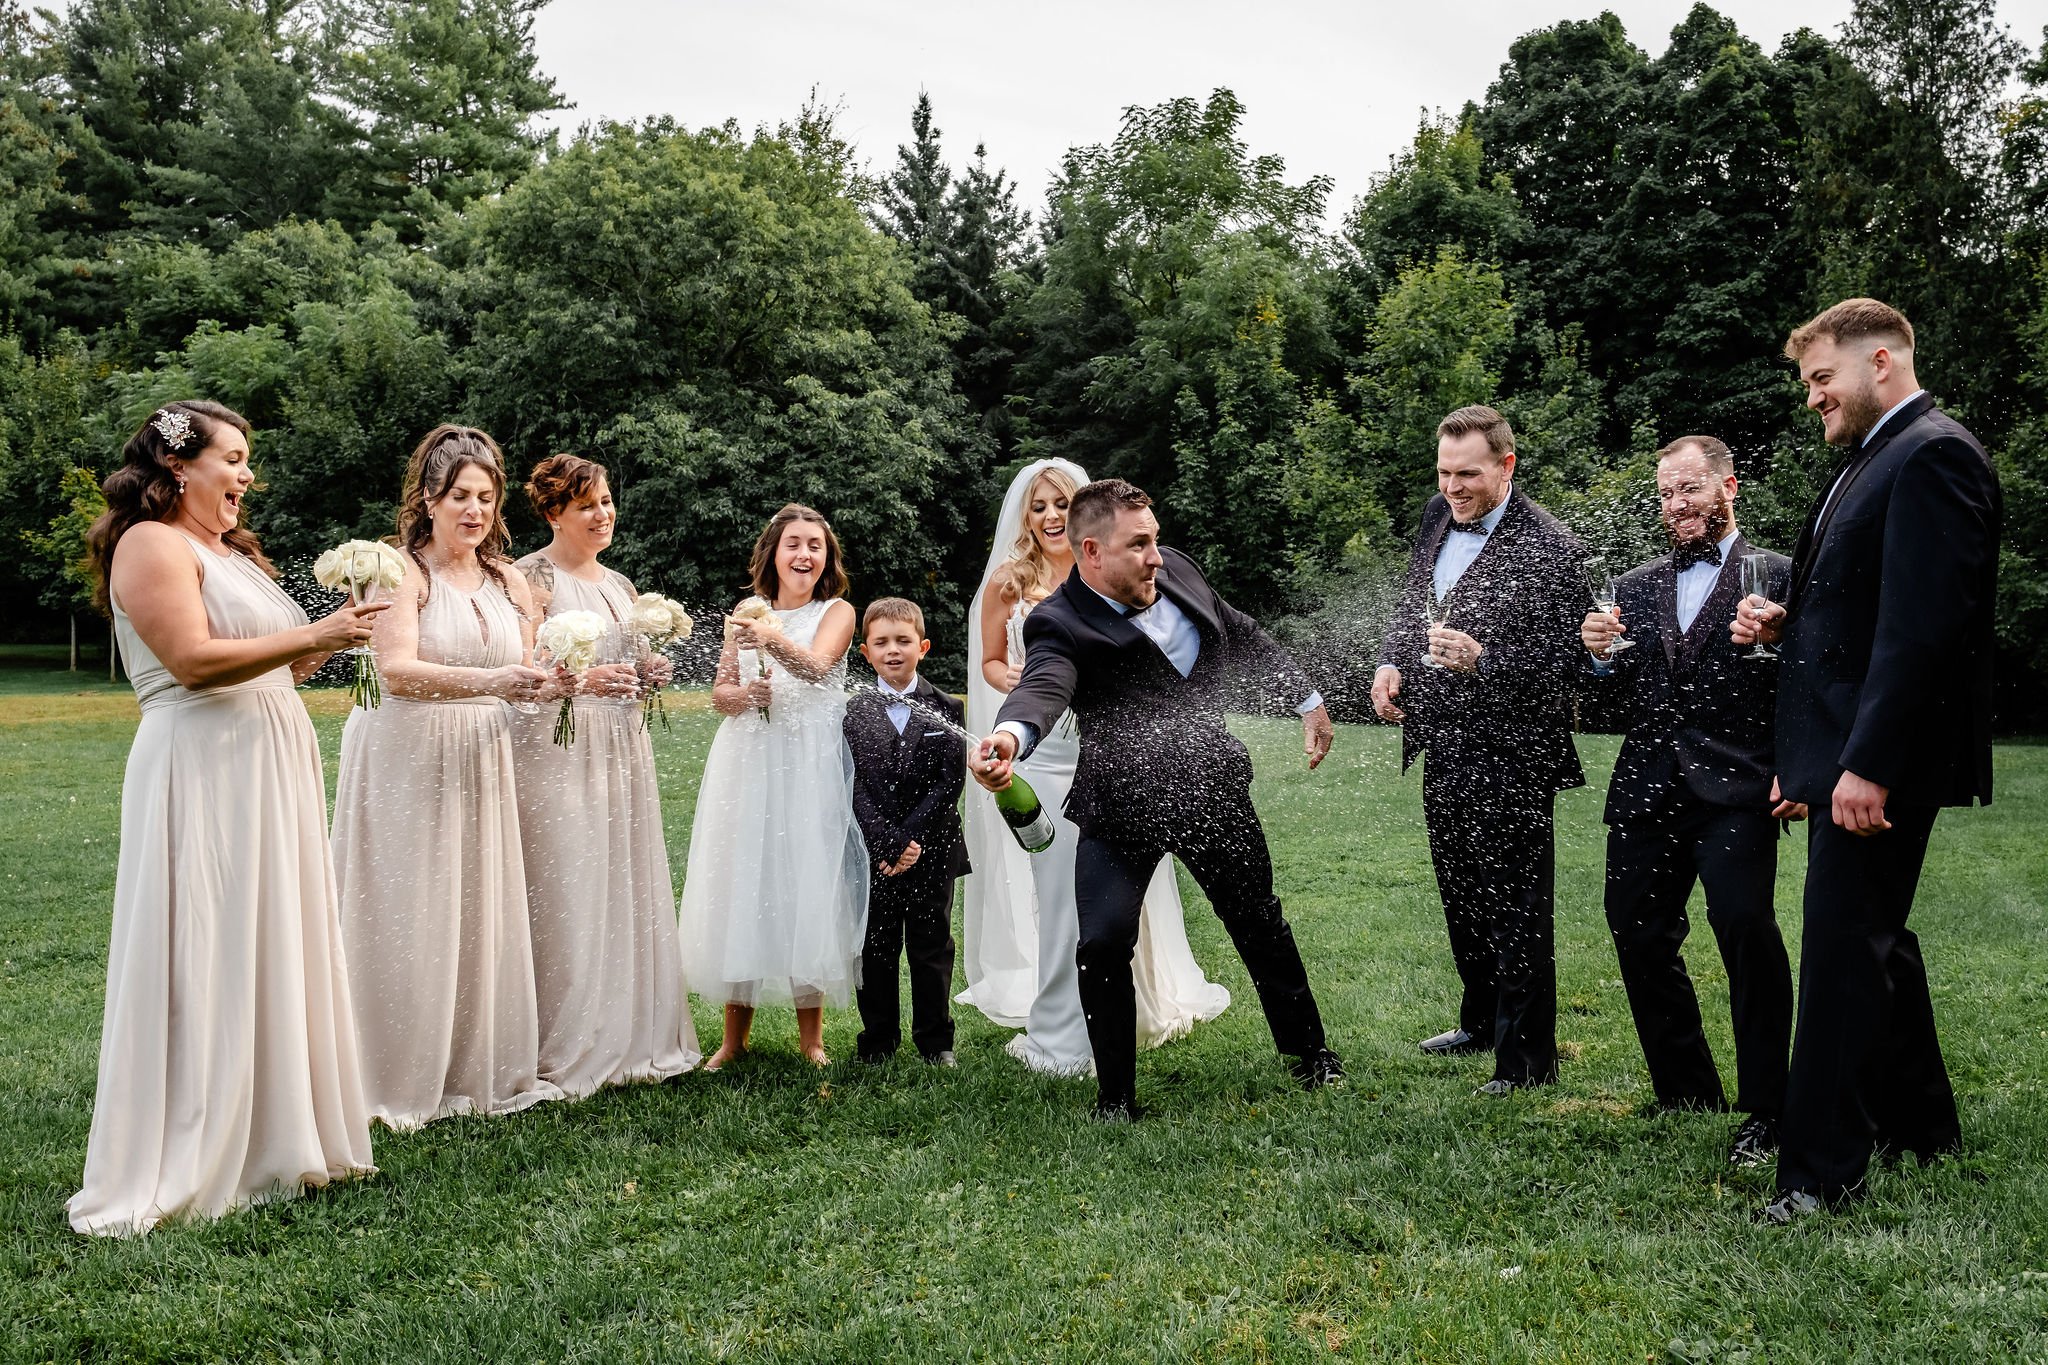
point(572, 637)
point(661, 619)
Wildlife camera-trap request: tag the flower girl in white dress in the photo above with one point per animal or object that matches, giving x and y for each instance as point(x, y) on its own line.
point(1020, 923)
point(775, 898)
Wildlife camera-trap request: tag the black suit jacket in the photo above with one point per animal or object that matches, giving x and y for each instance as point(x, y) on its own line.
point(1887, 652)
point(1697, 717)
point(907, 787)
point(1507, 728)
point(1151, 740)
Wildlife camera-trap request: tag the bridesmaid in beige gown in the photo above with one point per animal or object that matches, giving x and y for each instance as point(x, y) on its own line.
point(607, 973)
point(426, 818)
point(228, 1053)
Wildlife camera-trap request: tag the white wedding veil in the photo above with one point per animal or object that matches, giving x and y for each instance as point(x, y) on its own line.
point(999, 924)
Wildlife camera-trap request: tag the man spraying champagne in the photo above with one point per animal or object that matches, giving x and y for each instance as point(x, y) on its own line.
point(1142, 650)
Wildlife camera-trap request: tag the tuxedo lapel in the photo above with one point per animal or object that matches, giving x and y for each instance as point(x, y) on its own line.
point(1832, 499)
point(1721, 599)
point(1095, 609)
point(1196, 608)
point(1666, 577)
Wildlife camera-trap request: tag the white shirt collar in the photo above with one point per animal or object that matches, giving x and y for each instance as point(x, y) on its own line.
point(882, 686)
point(1120, 608)
point(1894, 411)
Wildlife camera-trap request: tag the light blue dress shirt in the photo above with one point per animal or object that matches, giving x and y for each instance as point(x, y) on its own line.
point(1696, 584)
point(1167, 626)
point(1460, 548)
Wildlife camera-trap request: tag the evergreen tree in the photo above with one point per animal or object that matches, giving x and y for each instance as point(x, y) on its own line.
point(913, 206)
point(443, 96)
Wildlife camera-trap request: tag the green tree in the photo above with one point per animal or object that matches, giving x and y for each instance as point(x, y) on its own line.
point(912, 206)
point(715, 319)
point(1176, 264)
point(442, 95)
point(1436, 193)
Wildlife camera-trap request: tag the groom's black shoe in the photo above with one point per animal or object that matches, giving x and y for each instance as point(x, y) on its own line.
point(1318, 1069)
point(1455, 1043)
point(1120, 1112)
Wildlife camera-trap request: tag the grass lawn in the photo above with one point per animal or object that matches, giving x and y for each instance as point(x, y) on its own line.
point(773, 1213)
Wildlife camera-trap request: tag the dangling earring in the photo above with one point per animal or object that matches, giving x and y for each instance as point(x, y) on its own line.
point(181, 488)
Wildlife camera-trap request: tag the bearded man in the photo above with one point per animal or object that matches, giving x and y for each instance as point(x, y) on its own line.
point(1884, 717)
point(1691, 801)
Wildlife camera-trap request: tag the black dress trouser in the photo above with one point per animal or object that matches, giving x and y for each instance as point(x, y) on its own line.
point(917, 916)
point(1866, 1064)
point(1495, 856)
point(1652, 865)
point(1224, 847)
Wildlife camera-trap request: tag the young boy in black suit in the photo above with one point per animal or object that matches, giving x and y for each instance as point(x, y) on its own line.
point(908, 772)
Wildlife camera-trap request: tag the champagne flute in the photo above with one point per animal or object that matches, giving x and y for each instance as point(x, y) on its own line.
point(1439, 613)
point(1756, 582)
point(1600, 583)
point(531, 708)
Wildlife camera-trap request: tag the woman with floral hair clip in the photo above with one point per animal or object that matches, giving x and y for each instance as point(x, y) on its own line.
point(228, 1070)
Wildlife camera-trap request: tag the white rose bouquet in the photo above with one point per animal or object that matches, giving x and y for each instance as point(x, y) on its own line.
point(571, 638)
point(660, 621)
point(756, 613)
point(362, 569)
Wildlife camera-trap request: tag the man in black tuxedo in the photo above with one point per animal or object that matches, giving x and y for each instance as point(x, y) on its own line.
point(1884, 717)
point(908, 773)
point(1145, 654)
point(1487, 696)
point(1690, 800)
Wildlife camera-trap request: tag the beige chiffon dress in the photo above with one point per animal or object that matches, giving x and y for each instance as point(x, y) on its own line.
point(228, 1069)
point(607, 973)
point(433, 884)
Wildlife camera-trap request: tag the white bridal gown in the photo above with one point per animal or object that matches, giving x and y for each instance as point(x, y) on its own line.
point(228, 1054)
point(775, 897)
point(433, 884)
point(607, 973)
point(1020, 926)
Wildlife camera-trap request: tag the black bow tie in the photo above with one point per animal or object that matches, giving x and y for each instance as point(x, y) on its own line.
point(1477, 528)
point(1690, 552)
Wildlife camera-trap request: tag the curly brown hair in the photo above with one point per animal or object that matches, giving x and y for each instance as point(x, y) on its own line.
point(442, 454)
point(560, 480)
point(145, 487)
point(833, 580)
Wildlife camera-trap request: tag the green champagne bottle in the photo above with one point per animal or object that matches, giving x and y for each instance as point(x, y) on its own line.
point(1026, 816)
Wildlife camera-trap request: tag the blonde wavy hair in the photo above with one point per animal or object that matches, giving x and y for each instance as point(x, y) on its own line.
point(1027, 574)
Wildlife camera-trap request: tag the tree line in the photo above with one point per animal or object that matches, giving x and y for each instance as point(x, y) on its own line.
point(343, 218)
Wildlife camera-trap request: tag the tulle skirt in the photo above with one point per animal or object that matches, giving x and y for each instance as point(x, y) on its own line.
point(774, 902)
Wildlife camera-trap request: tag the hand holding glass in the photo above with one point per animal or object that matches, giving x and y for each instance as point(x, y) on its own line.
point(1439, 612)
point(1756, 582)
point(1600, 584)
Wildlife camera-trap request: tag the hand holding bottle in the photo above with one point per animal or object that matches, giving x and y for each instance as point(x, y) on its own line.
point(993, 758)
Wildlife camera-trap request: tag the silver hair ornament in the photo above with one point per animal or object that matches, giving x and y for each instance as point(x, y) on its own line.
point(174, 427)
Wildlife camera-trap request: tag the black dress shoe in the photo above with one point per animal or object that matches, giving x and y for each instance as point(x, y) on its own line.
point(1121, 1112)
point(1756, 1141)
point(1318, 1069)
point(1455, 1043)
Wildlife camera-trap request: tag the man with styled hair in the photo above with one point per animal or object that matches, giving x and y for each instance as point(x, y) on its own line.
point(1145, 654)
point(1483, 689)
point(1690, 801)
point(1884, 717)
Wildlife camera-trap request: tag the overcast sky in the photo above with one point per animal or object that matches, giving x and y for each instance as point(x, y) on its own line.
point(1334, 88)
